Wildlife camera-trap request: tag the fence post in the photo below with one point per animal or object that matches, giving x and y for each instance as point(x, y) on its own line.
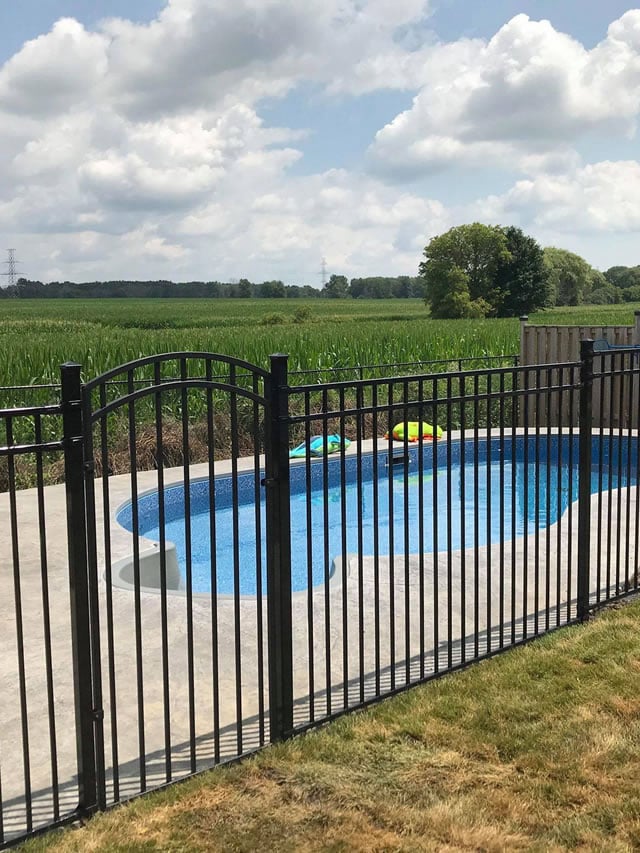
point(584, 477)
point(72, 428)
point(279, 556)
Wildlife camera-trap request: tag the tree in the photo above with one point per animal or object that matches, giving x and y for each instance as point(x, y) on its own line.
point(570, 276)
point(309, 292)
point(337, 287)
point(608, 294)
point(631, 294)
point(599, 291)
point(449, 297)
point(385, 287)
point(466, 258)
point(403, 287)
point(523, 279)
point(623, 277)
point(245, 289)
point(271, 290)
point(503, 268)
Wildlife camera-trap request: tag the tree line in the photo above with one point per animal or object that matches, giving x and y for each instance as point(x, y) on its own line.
point(471, 270)
point(338, 286)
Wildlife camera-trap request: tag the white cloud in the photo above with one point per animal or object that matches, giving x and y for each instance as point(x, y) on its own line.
point(602, 197)
point(200, 54)
point(140, 150)
point(358, 224)
point(52, 149)
point(153, 130)
point(525, 96)
point(54, 71)
point(145, 241)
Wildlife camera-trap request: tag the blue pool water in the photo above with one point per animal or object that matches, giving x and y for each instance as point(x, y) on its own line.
point(475, 483)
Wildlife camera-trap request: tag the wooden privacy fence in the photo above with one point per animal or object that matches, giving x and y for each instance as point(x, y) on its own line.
point(561, 344)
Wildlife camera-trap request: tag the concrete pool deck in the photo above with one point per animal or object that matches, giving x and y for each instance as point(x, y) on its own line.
point(354, 623)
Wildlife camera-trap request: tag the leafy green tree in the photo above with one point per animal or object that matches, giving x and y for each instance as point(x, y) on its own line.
point(245, 289)
point(599, 291)
point(271, 290)
point(309, 292)
point(466, 258)
point(570, 276)
point(607, 294)
point(504, 272)
point(337, 287)
point(448, 293)
point(403, 287)
point(385, 287)
point(523, 279)
point(631, 294)
point(374, 287)
point(623, 277)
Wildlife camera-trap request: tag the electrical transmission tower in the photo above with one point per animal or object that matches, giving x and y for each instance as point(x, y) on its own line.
point(11, 264)
point(323, 272)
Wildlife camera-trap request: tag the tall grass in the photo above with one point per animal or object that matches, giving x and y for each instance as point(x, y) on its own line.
point(36, 337)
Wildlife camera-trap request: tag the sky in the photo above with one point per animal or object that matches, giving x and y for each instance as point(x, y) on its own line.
point(227, 139)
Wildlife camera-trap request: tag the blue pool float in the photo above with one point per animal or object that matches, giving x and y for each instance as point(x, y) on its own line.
point(316, 446)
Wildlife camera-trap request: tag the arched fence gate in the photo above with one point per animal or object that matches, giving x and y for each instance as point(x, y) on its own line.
point(179, 567)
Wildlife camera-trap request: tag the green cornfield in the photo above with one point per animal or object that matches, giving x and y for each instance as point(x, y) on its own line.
point(37, 336)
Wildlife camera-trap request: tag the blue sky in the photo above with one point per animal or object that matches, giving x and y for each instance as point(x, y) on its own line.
point(219, 139)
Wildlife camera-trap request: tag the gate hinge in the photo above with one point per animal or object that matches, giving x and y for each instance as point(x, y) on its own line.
point(98, 714)
point(268, 481)
point(90, 465)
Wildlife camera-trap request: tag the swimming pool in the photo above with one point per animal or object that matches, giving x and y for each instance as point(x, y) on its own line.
point(470, 491)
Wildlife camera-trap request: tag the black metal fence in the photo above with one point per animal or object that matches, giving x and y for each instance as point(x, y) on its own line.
point(179, 592)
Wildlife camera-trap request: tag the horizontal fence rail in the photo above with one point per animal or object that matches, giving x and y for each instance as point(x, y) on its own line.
point(359, 371)
point(202, 556)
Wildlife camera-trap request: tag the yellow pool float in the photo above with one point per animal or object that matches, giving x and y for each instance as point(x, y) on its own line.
point(413, 431)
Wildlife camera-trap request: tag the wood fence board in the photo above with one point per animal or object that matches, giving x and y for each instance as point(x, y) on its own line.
point(561, 344)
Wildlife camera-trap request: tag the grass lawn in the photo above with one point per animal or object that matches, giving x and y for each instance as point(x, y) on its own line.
point(538, 749)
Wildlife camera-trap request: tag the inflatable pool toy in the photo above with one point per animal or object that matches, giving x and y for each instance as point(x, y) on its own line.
point(413, 431)
point(316, 446)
